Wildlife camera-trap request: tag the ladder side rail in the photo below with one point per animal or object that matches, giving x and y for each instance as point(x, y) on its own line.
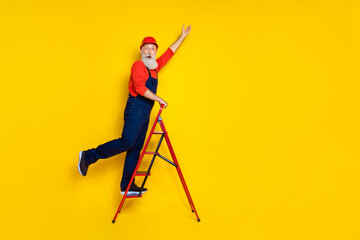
point(167, 139)
point(175, 161)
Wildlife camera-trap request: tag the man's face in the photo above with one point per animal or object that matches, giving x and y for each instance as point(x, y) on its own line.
point(148, 54)
point(149, 49)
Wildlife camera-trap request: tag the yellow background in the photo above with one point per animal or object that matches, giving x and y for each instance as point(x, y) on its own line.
point(263, 116)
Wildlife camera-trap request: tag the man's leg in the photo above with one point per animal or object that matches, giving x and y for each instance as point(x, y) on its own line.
point(134, 120)
point(132, 157)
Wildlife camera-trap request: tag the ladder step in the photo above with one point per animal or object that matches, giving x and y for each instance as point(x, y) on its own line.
point(142, 173)
point(133, 196)
point(158, 132)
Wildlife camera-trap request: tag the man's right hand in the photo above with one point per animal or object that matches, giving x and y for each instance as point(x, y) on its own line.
point(162, 102)
point(150, 95)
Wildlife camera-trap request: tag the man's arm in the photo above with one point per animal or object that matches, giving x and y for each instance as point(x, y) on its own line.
point(149, 94)
point(179, 41)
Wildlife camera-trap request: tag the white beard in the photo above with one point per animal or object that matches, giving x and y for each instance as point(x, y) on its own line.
point(149, 62)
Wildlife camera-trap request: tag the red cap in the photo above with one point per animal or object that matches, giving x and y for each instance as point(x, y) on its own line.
point(148, 40)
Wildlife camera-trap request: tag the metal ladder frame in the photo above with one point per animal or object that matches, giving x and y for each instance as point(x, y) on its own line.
point(175, 163)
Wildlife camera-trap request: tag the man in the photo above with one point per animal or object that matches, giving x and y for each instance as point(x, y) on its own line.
point(142, 94)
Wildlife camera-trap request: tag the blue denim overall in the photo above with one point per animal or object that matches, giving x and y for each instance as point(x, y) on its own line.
point(136, 122)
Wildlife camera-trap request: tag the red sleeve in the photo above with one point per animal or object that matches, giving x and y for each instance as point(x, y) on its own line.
point(164, 59)
point(139, 77)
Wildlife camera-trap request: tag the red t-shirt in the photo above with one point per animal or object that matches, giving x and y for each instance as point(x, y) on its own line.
point(139, 73)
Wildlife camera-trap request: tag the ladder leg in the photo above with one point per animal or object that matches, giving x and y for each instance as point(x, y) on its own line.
point(119, 208)
point(126, 191)
point(187, 191)
point(167, 139)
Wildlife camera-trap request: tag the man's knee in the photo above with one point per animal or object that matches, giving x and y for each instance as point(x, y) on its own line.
point(128, 143)
point(137, 147)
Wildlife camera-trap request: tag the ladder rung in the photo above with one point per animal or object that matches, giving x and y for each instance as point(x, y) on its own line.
point(158, 132)
point(142, 173)
point(133, 196)
point(150, 153)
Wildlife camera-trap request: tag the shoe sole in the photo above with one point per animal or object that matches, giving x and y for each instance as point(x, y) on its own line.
point(80, 154)
point(132, 193)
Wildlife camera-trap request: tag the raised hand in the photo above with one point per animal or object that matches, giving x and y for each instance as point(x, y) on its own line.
point(179, 41)
point(186, 31)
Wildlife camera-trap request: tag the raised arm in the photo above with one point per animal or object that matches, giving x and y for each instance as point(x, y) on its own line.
point(179, 41)
point(173, 47)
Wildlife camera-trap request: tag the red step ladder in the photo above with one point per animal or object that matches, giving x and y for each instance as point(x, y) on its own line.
point(175, 163)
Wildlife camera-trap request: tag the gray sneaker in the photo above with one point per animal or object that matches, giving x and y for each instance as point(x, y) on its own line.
point(82, 166)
